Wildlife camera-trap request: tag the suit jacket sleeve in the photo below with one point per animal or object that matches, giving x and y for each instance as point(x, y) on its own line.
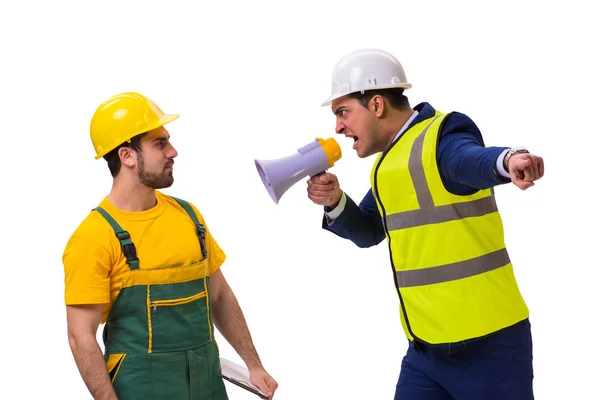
point(466, 164)
point(359, 223)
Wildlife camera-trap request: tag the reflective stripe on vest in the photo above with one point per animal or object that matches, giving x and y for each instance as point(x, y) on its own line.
point(451, 267)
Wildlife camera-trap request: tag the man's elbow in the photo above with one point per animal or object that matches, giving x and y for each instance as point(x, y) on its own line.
point(77, 340)
point(81, 338)
point(365, 243)
point(72, 342)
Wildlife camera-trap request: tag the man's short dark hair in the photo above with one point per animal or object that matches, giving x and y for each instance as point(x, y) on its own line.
point(395, 96)
point(113, 159)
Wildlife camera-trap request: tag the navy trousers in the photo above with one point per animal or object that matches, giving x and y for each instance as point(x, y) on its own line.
point(496, 367)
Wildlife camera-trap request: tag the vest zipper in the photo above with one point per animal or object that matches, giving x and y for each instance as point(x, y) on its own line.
point(378, 199)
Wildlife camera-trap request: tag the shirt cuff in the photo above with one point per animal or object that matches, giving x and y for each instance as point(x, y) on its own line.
point(333, 214)
point(500, 165)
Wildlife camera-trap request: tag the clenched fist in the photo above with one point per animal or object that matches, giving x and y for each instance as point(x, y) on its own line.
point(525, 168)
point(324, 190)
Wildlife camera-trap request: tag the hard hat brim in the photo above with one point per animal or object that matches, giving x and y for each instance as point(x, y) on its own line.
point(165, 119)
point(338, 95)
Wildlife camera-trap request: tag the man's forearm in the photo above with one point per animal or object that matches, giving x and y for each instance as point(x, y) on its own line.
point(230, 321)
point(92, 367)
point(360, 224)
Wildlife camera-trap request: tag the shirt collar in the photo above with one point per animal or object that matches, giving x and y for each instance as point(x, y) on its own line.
point(421, 112)
point(406, 125)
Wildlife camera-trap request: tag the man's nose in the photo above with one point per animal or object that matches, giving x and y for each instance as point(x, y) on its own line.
point(172, 152)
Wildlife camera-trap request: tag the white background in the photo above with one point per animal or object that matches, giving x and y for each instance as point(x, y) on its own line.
point(248, 78)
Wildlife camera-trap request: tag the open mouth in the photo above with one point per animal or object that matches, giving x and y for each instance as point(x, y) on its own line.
point(355, 141)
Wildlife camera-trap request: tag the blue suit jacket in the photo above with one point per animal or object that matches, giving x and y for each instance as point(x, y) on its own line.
point(465, 164)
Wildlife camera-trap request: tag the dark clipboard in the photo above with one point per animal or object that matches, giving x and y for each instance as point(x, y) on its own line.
point(241, 377)
point(243, 385)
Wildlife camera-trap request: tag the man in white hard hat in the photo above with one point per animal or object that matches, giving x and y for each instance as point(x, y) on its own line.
point(432, 197)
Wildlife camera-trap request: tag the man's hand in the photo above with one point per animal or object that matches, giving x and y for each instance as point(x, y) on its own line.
point(525, 168)
point(324, 190)
point(260, 378)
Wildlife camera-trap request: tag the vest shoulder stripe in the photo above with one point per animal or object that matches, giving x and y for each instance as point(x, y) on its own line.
point(416, 169)
point(453, 271)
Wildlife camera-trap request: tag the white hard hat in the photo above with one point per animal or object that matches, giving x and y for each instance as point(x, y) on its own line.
point(366, 69)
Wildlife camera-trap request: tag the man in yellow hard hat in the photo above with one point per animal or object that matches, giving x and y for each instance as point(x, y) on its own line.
point(432, 198)
point(146, 265)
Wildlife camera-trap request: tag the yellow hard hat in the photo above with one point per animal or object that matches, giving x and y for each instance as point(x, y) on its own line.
point(122, 117)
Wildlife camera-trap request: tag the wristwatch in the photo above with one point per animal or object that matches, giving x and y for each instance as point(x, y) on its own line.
point(512, 152)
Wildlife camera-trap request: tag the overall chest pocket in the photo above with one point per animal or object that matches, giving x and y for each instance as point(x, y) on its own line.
point(178, 316)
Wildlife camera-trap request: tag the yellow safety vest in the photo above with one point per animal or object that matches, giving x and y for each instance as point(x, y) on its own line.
point(452, 271)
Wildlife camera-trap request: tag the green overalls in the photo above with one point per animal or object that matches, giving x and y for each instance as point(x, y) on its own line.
point(158, 336)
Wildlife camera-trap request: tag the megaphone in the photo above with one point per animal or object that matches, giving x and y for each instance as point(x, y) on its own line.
point(280, 174)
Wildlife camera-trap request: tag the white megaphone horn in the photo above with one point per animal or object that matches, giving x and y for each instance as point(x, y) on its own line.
point(312, 159)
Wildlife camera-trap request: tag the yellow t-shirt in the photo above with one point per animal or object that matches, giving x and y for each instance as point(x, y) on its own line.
point(163, 236)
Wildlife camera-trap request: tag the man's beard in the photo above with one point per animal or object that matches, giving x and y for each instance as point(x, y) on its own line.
point(155, 180)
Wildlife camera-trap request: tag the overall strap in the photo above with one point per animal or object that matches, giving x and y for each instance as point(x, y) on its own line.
point(200, 229)
point(126, 244)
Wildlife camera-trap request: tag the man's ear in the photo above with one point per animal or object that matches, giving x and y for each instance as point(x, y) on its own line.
point(378, 105)
point(128, 156)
